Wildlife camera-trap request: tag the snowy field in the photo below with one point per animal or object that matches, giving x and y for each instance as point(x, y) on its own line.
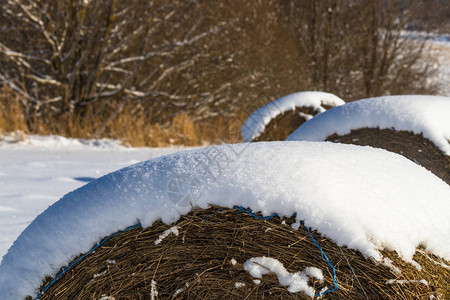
point(391, 203)
point(37, 172)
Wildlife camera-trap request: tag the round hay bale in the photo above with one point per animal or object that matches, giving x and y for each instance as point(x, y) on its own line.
point(205, 261)
point(276, 120)
point(413, 146)
point(279, 128)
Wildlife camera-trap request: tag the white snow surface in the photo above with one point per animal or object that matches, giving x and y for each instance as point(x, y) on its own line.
point(429, 115)
point(255, 124)
point(39, 170)
point(362, 197)
point(296, 282)
point(60, 142)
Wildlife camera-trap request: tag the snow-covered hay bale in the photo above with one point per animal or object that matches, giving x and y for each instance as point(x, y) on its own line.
point(417, 127)
point(362, 198)
point(206, 254)
point(413, 146)
point(277, 119)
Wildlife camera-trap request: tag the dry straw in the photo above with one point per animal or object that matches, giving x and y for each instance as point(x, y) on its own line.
point(280, 127)
point(197, 264)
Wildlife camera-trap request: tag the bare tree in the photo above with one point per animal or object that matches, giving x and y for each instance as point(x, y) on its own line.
point(80, 52)
point(355, 49)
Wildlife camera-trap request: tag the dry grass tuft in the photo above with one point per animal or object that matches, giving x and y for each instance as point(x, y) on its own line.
point(197, 264)
point(11, 112)
point(128, 122)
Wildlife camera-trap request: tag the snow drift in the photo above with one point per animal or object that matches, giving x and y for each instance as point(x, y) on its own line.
point(429, 115)
point(361, 197)
point(38, 171)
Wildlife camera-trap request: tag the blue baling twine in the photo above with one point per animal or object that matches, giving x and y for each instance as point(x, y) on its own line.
point(207, 217)
point(241, 209)
point(324, 256)
point(78, 260)
point(249, 211)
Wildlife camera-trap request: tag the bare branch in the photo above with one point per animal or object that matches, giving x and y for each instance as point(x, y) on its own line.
point(44, 80)
point(18, 90)
point(48, 36)
point(17, 55)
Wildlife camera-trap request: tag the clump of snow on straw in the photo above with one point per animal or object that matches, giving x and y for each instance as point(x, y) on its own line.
point(180, 290)
point(173, 229)
point(401, 281)
point(153, 291)
point(296, 282)
point(429, 115)
point(255, 124)
point(391, 202)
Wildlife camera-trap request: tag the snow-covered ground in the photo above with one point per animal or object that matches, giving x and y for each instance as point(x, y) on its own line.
point(38, 171)
point(391, 202)
point(361, 197)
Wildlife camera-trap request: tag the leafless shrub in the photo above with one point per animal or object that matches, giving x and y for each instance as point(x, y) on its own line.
point(62, 56)
point(355, 49)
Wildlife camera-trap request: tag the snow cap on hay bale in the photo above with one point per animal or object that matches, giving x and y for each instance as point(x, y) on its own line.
point(277, 119)
point(417, 127)
point(363, 198)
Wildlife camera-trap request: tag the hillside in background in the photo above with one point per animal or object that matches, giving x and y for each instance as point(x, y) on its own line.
point(187, 73)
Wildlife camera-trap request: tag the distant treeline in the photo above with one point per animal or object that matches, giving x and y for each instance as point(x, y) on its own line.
point(83, 67)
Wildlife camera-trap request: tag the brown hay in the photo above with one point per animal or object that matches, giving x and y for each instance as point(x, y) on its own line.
point(198, 262)
point(413, 146)
point(11, 112)
point(284, 124)
point(128, 122)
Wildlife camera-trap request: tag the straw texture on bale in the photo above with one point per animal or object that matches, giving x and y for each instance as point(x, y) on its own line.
point(280, 127)
point(197, 264)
